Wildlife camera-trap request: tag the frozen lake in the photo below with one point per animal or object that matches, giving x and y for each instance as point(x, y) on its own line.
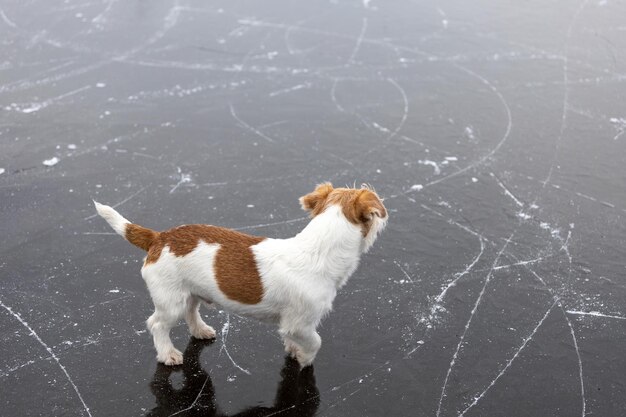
point(496, 133)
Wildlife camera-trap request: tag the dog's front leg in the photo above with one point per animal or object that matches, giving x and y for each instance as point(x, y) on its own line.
point(290, 347)
point(303, 344)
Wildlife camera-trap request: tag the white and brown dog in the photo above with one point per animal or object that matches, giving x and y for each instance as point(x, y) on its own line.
point(291, 282)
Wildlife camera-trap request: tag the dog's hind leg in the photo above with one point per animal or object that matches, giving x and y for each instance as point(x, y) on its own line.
point(160, 323)
point(169, 303)
point(197, 327)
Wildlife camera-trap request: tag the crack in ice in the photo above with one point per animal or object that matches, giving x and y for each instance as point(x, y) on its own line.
point(510, 361)
point(437, 304)
point(248, 127)
point(566, 90)
point(6, 20)
point(573, 334)
point(121, 202)
point(50, 351)
point(359, 40)
point(469, 321)
point(225, 330)
point(256, 226)
point(406, 274)
point(507, 191)
point(595, 314)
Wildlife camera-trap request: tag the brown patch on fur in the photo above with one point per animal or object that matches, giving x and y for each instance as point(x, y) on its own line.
point(235, 267)
point(140, 236)
point(359, 205)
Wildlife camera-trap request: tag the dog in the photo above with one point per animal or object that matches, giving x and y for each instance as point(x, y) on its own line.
point(290, 282)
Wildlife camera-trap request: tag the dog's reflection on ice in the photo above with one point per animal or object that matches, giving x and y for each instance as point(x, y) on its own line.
point(297, 393)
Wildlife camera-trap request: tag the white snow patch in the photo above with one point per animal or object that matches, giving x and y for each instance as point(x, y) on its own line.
point(51, 162)
point(596, 314)
point(290, 89)
point(431, 163)
point(620, 125)
point(33, 108)
point(381, 128)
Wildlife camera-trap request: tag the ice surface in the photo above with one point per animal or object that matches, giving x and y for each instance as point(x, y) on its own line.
point(494, 131)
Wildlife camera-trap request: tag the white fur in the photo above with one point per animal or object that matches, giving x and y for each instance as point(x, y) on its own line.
point(300, 277)
point(115, 220)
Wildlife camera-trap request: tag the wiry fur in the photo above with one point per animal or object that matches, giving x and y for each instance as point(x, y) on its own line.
point(299, 276)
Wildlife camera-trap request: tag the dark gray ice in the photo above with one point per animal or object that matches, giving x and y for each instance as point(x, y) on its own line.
point(495, 130)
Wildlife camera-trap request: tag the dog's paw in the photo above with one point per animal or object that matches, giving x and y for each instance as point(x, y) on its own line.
point(204, 332)
point(291, 349)
point(174, 357)
point(304, 359)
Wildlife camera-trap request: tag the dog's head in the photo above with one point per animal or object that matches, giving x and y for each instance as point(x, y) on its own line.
point(360, 206)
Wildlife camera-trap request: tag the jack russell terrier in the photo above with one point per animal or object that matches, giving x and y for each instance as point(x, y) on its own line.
point(290, 282)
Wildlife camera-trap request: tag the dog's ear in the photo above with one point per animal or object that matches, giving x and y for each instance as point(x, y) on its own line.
point(314, 202)
point(368, 205)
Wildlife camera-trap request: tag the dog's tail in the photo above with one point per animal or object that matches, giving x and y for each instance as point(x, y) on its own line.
point(139, 236)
